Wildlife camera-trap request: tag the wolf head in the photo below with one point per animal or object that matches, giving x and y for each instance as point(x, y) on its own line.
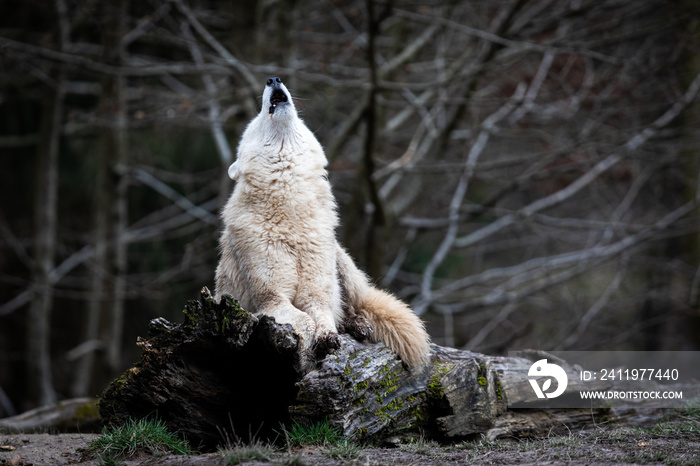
point(277, 121)
point(276, 100)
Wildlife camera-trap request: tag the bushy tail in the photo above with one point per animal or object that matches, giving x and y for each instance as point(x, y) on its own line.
point(394, 323)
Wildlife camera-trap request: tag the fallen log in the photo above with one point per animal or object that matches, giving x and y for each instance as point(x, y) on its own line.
point(73, 415)
point(225, 371)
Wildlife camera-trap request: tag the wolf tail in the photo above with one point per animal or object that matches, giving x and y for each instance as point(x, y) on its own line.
point(393, 322)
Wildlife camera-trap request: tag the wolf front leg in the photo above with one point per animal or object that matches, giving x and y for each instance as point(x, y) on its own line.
point(318, 295)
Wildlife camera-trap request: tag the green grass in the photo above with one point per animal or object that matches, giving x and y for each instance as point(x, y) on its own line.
point(684, 422)
point(145, 435)
point(319, 433)
point(334, 444)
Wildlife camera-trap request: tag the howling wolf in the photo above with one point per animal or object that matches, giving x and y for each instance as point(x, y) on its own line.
point(279, 253)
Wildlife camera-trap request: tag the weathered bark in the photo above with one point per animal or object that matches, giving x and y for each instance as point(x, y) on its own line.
point(227, 369)
point(222, 369)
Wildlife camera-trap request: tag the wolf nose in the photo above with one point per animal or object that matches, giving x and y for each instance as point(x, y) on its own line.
point(271, 81)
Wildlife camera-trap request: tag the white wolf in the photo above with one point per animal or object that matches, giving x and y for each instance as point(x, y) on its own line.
point(279, 253)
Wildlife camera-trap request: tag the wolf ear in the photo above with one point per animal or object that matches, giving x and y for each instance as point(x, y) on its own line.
point(233, 171)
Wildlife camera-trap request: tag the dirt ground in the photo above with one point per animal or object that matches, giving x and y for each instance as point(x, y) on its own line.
point(675, 442)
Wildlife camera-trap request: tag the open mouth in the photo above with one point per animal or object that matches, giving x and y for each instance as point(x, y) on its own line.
point(278, 96)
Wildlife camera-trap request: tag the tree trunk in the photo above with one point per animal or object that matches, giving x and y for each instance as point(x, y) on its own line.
point(691, 168)
point(225, 369)
point(39, 316)
point(110, 218)
point(120, 131)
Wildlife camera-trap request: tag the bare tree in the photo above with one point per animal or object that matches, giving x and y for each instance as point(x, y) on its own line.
point(109, 260)
point(38, 350)
point(39, 315)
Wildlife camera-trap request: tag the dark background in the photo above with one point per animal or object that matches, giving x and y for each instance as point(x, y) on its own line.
point(525, 173)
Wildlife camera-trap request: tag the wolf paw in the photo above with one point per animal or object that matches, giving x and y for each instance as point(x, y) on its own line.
point(326, 344)
point(357, 327)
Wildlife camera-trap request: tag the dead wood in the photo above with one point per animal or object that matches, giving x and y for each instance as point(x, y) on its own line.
point(74, 415)
point(226, 371)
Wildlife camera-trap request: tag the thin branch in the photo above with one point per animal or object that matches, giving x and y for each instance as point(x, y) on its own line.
point(151, 232)
point(488, 126)
point(103, 68)
point(253, 83)
point(594, 310)
point(492, 325)
point(349, 125)
point(15, 303)
point(604, 165)
point(181, 201)
point(467, 67)
point(535, 85)
point(139, 235)
point(215, 122)
point(145, 25)
point(400, 258)
point(576, 263)
point(9, 237)
point(502, 41)
point(626, 203)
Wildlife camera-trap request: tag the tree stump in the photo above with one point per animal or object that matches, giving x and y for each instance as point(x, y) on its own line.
point(226, 371)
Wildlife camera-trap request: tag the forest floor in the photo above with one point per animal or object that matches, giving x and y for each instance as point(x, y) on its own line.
point(672, 442)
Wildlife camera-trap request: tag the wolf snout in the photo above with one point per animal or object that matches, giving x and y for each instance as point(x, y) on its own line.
point(274, 81)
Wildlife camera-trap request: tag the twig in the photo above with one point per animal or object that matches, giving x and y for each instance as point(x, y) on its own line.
point(560, 196)
point(400, 258)
point(577, 263)
point(502, 41)
point(594, 310)
point(145, 24)
point(492, 324)
point(250, 80)
point(9, 237)
point(215, 123)
point(487, 127)
point(151, 232)
point(155, 69)
point(181, 201)
point(535, 85)
point(84, 254)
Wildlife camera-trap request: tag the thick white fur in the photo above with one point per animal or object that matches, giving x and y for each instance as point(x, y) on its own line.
point(279, 253)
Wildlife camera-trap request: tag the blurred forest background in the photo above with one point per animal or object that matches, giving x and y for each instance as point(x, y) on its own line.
point(524, 172)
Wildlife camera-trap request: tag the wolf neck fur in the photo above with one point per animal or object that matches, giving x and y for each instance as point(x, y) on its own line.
point(284, 157)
